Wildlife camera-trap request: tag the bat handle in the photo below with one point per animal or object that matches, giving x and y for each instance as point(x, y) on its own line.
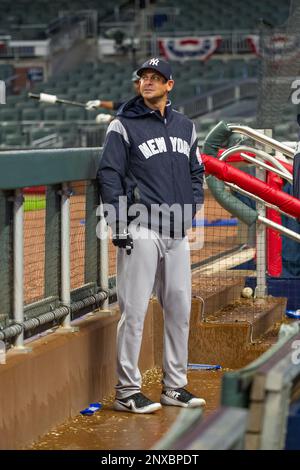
point(33, 95)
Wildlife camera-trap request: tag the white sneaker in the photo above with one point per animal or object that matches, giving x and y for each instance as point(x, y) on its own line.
point(181, 397)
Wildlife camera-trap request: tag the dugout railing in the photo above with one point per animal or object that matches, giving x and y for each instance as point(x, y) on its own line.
point(261, 150)
point(40, 243)
point(254, 408)
point(59, 171)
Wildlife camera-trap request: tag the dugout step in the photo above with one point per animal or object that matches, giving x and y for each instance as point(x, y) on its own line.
point(217, 292)
point(232, 336)
point(259, 314)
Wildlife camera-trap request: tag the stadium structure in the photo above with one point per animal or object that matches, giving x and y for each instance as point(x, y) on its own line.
point(236, 67)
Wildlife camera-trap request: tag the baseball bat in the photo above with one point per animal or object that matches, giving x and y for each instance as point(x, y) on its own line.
point(53, 99)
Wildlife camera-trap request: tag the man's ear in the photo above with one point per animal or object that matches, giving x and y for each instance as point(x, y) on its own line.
point(170, 85)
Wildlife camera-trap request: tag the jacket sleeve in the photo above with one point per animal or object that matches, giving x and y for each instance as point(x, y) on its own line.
point(196, 169)
point(112, 170)
point(117, 105)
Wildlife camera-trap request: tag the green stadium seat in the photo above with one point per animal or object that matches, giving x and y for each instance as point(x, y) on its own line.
point(15, 140)
point(71, 93)
point(7, 114)
point(40, 133)
point(11, 128)
point(31, 114)
point(282, 131)
point(206, 124)
point(53, 113)
point(27, 104)
point(83, 97)
point(12, 100)
point(6, 71)
point(74, 114)
point(246, 121)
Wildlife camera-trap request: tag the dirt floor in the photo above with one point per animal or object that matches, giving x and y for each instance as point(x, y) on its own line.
point(110, 430)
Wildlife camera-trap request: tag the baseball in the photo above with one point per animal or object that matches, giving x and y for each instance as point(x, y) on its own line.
point(247, 292)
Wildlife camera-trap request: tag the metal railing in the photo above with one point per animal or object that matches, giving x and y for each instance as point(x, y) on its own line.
point(87, 134)
point(222, 430)
point(51, 140)
point(262, 220)
point(281, 171)
point(88, 17)
point(61, 33)
point(259, 215)
point(265, 387)
point(60, 303)
point(263, 139)
point(254, 404)
point(219, 98)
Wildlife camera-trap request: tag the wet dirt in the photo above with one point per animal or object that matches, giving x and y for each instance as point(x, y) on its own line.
point(113, 430)
point(241, 310)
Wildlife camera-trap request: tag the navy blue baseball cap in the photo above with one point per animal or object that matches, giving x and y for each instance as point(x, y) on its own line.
point(159, 65)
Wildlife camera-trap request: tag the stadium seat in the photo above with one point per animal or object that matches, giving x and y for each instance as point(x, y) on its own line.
point(53, 113)
point(206, 124)
point(31, 114)
point(282, 131)
point(12, 100)
point(14, 140)
point(197, 16)
point(26, 104)
point(7, 114)
point(74, 114)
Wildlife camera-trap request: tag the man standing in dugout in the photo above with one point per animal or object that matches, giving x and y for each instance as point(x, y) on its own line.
point(150, 160)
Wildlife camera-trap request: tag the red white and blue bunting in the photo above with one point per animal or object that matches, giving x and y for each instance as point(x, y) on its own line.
point(253, 42)
point(189, 48)
point(278, 47)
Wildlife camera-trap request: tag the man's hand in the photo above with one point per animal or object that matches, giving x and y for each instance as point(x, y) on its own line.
point(104, 118)
point(93, 104)
point(123, 240)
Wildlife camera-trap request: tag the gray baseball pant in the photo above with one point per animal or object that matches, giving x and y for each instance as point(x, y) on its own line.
point(162, 264)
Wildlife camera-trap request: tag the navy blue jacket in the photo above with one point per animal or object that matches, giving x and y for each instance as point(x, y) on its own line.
point(152, 160)
point(296, 176)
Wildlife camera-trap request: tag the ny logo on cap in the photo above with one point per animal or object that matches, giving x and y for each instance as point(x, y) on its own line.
point(153, 61)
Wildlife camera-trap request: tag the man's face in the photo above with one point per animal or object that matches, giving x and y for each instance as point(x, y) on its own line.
point(153, 85)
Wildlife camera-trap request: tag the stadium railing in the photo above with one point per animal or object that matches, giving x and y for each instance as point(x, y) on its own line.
point(266, 388)
point(254, 404)
point(53, 266)
point(219, 98)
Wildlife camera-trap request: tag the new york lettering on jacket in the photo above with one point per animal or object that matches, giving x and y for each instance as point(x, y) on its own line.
point(152, 160)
